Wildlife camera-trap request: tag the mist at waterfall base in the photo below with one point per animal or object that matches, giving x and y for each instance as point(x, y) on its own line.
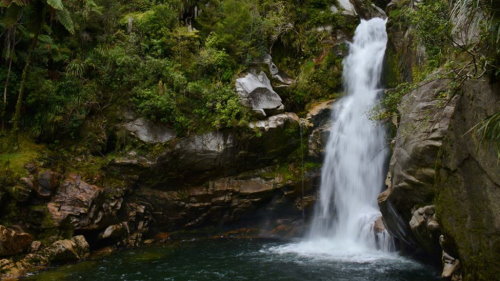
point(353, 170)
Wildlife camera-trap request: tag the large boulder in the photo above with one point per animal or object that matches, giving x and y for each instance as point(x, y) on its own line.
point(424, 123)
point(76, 203)
point(438, 159)
point(68, 250)
point(46, 183)
point(150, 132)
point(345, 6)
point(256, 92)
point(61, 251)
point(13, 242)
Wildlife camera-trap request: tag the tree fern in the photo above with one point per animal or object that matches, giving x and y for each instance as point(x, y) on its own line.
point(56, 4)
point(64, 18)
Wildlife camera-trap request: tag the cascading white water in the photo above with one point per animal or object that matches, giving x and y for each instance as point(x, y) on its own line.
point(353, 170)
point(353, 174)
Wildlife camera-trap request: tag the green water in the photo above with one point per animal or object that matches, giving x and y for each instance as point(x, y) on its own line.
point(208, 260)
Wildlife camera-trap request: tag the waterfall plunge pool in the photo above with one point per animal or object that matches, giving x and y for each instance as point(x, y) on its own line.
point(240, 259)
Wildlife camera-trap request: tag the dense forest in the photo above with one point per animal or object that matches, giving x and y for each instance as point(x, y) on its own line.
point(76, 73)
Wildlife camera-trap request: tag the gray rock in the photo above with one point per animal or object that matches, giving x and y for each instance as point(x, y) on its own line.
point(319, 120)
point(424, 123)
point(274, 122)
point(67, 250)
point(198, 158)
point(120, 230)
point(346, 7)
point(426, 229)
point(439, 160)
point(256, 92)
point(150, 132)
point(47, 183)
point(367, 10)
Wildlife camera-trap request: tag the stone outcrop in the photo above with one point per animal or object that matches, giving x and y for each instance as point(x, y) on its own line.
point(274, 122)
point(149, 132)
point(228, 199)
point(61, 251)
point(439, 160)
point(256, 92)
point(319, 121)
point(76, 203)
point(47, 182)
point(425, 229)
point(198, 158)
point(367, 10)
point(13, 242)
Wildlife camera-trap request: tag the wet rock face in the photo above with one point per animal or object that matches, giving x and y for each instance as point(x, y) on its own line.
point(438, 160)
point(13, 242)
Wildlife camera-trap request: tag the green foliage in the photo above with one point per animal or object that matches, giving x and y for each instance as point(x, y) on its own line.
point(318, 81)
point(56, 4)
point(64, 18)
point(93, 59)
point(488, 131)
point(432, 28)
point(388, 106)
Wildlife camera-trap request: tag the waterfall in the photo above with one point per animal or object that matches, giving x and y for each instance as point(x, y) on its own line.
point(344, 227)
point(353, 170)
